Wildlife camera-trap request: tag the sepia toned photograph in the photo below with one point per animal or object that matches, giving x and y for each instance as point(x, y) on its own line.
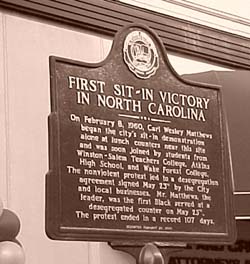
point(125, 133)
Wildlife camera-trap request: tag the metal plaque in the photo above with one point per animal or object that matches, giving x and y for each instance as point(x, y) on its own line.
point(136, 152)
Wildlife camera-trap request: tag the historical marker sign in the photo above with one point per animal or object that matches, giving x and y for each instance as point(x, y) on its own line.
point(136, 153)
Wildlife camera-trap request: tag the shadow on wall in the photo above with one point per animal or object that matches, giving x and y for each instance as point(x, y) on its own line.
point(236, 97)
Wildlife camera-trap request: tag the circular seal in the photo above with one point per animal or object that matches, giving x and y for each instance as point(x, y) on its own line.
point(140, 54)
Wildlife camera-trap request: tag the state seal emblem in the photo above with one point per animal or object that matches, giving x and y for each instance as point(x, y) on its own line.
point(140, 54)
